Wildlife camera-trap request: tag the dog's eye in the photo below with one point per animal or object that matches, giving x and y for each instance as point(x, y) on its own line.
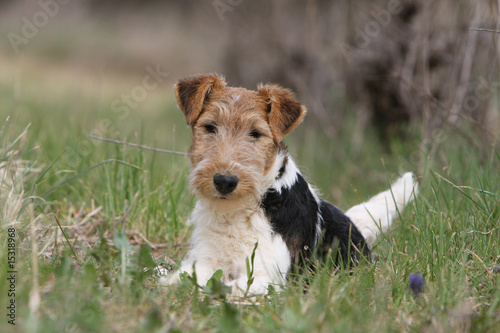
point(210, 128)
point(255, 134)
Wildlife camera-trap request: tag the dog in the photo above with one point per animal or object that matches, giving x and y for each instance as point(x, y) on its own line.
point(252, 198)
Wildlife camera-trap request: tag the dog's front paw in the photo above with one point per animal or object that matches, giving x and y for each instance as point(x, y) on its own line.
point(239, 286)
point(258, 287)
point(170, 279)
point(203, 274)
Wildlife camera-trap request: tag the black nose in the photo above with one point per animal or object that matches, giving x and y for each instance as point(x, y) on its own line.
point(225, 184)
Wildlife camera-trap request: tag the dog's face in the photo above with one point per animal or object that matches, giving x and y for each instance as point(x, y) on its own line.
point(236, 136)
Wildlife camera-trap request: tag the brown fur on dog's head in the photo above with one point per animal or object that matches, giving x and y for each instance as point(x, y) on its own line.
point(192, 92)
point(284, 111)
point(236, 133)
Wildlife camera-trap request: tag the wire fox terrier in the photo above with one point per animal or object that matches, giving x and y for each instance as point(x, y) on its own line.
point(250, 191)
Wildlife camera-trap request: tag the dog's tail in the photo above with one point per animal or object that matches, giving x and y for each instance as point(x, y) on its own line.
point(375, 216)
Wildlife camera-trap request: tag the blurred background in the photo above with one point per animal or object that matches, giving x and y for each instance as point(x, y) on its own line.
point(375, 76)
point(390, 86)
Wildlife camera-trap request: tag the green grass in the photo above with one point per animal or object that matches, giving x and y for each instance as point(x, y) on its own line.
point(99, 277)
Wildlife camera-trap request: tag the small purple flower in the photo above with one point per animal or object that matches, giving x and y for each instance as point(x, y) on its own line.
point(416, 283)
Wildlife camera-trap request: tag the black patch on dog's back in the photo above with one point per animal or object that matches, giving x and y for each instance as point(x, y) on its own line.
point(339, 229)
point(295, 214)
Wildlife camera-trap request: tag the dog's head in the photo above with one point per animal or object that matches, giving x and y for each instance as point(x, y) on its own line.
point(237, 134)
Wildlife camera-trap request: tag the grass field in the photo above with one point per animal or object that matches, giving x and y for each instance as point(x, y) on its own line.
point(92, 219)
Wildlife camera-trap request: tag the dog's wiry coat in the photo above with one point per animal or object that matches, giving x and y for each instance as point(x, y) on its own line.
point(250, 190)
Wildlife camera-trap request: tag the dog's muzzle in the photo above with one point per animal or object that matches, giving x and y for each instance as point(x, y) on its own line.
point(225, 184)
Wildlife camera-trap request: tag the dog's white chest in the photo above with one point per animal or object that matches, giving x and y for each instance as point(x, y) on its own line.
point(225, 241)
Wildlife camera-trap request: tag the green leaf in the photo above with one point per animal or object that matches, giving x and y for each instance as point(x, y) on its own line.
point(217, 275)
point(215, 287)
point(144, 258)
point(250, 268)
point(121, 241)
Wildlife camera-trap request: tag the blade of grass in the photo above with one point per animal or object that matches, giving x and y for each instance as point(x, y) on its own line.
point(112, 160)
point(64, 234)
point(3, 126)
point(459, 188)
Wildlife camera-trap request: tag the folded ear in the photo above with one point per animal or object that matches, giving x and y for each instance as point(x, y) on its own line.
point(284, 111)
point(192, 92)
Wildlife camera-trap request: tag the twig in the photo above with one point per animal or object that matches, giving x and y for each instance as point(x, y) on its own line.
point(483, 29)
point(469, 50)
point(138, 146)
point(111, 160)
point(158, 246)
point(151, 245)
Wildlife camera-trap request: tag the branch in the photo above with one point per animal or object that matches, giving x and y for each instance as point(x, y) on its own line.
point(138, 146)
point(483, 29)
